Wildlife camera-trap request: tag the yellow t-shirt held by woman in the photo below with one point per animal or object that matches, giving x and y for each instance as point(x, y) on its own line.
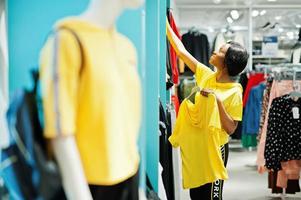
point(198, 131)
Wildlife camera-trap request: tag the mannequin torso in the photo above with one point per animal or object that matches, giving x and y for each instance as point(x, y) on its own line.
point(103, 14)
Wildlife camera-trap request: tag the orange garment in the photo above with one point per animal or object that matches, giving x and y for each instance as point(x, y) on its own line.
point(290, 171)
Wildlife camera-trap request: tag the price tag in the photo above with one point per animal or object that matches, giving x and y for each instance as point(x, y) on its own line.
point(296, 113)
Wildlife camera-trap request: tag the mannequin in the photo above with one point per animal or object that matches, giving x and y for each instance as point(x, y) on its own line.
point(103, 14)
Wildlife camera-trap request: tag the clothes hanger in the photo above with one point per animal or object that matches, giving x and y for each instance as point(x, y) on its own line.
point(295, 93)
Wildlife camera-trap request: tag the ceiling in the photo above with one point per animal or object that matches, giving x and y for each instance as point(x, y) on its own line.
point(238, 2)
point(213, 19)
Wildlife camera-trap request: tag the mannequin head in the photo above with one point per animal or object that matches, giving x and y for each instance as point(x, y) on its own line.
point(105, 12)
point(132, 3)
point(231, 58)
point(120, 3)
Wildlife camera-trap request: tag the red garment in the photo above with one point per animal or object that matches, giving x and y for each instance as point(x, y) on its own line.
point(176, 103)
point(173, 55)
point(254, 80)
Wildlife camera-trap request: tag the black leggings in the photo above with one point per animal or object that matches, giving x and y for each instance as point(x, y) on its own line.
point(211, 191)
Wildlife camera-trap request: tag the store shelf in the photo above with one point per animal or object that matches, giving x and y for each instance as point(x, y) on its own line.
point(268, 57)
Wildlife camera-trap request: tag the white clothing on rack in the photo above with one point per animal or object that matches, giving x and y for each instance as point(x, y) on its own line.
point(221, 39)
point(296, 56)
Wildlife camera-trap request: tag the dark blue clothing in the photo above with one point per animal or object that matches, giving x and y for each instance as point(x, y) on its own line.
point(251, 118)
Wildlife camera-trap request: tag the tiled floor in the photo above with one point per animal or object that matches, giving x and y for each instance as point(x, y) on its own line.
point(245, 183)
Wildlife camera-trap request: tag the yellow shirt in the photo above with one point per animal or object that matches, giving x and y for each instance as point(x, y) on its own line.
point(229, 93)
point(103, 108)
point(197, 134)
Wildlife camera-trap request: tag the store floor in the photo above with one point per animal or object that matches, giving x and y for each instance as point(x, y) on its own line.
point(244, 182)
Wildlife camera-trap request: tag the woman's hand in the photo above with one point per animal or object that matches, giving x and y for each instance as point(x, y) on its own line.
point(206, 91)
point(228, 124)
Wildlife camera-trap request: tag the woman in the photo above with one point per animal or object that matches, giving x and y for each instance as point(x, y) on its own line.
point(229, 61)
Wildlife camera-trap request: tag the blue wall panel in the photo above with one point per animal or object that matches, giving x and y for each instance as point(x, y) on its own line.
point(29, 22)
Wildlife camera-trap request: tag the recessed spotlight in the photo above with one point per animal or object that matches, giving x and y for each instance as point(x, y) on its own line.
point(230, 20)
point(263, 12)
point(278, 18)
point(290, 35)
point(298, 25)
point(271, 0)
point(234, 14)
point(210, 29)
point(255, 13)
point(280, 30)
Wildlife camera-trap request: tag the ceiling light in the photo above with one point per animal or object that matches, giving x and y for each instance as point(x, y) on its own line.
point(272, 0)
point(263, 12)
point(278, 18)
point(290, 35)
point(280, 30)
point(298, 25)
point(234, 14)
point(230, 20)
point(210, 29)
point(255, 13)
point(216, 1)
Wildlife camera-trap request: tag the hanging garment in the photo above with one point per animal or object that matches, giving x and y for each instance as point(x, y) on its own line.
point(4, 135)
point(243, 80)
point(251, 117)
point(278, 89)
point(161, 188)
point(108, 139)
point(169, 82)
point(272, 182)
point(229, 93)
point(283, 141)
point(173, 55)
point(254, 80)
point(296, 56)
point(197, 136)
point(176, 103)
point(290, 171)
point(223, 38)
point(166, 154)
point(264, 107)
point(198, 46)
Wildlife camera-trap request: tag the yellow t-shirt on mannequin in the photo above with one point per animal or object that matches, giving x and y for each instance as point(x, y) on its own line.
point(102, 106)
